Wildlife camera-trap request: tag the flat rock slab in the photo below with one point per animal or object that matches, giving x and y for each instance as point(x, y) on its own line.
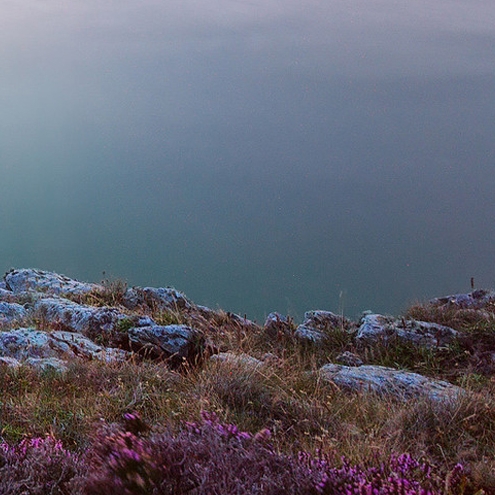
point(91, 321)
point(381, 380)
point(31, 280)
point(377, 328)
point(25, 343)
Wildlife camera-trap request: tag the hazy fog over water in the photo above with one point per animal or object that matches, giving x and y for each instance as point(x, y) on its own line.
point(257, 155)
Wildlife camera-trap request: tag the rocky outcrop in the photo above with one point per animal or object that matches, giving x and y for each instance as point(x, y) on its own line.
point(377, 328)
point(381, 380)
point(47, 320)
point(478, 299)
point(49, 283)
point(24, 345)
point(317, 326)
point(68, 329)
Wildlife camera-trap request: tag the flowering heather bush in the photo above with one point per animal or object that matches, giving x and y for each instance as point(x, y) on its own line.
point(204, 458)
point(37, 466)
point(401, 475)
point(209, 458)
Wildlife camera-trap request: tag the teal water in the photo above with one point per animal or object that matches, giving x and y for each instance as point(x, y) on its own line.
point(258, 156)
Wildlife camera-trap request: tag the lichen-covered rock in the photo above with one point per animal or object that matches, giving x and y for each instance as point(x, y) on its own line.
point(77, 345)
point(378, 328)
point(24, 343)
point(477, 299)
point(318, 325)
point(326, 320)
point(49, 283)
point(309, 334)
point(158, 299)
point(93, 322)
point(381, 380)
point(173, 342)
point(11, 313)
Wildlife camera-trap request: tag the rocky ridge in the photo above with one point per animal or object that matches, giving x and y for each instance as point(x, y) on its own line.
point(47, 320)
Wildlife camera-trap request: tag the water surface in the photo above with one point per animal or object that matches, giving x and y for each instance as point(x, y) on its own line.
point(257, 155)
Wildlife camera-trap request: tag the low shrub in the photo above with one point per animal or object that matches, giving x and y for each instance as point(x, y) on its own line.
point(38, 466)
point(210, 457)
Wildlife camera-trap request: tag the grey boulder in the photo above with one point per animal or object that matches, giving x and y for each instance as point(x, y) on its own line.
point(378, 328)
point(381, 380)
point(92, 321)
point(158, 299)
point(24, 344)
point(477, 299)
point(173, 342)
point(318, 324)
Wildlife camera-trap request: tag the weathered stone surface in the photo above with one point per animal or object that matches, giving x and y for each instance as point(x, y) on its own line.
point(388, 381)
point(11, 313)
point(31, 280)
point(158, 299)
point(378, 328)
point(326, 320)
point(77, 345)
point(9, 362)
point(24, 343)
point(174, 342)
point(277, 325)
point(317, 325)
point(44, 364)
point(309, 334)
point(477, 299)
point(91, 321)
point(7, 295)
point(241, 360)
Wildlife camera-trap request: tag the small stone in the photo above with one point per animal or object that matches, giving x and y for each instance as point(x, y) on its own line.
point(349, 359)
point(244, 360)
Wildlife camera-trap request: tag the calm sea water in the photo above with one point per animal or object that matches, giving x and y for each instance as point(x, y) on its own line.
point(257, 155)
